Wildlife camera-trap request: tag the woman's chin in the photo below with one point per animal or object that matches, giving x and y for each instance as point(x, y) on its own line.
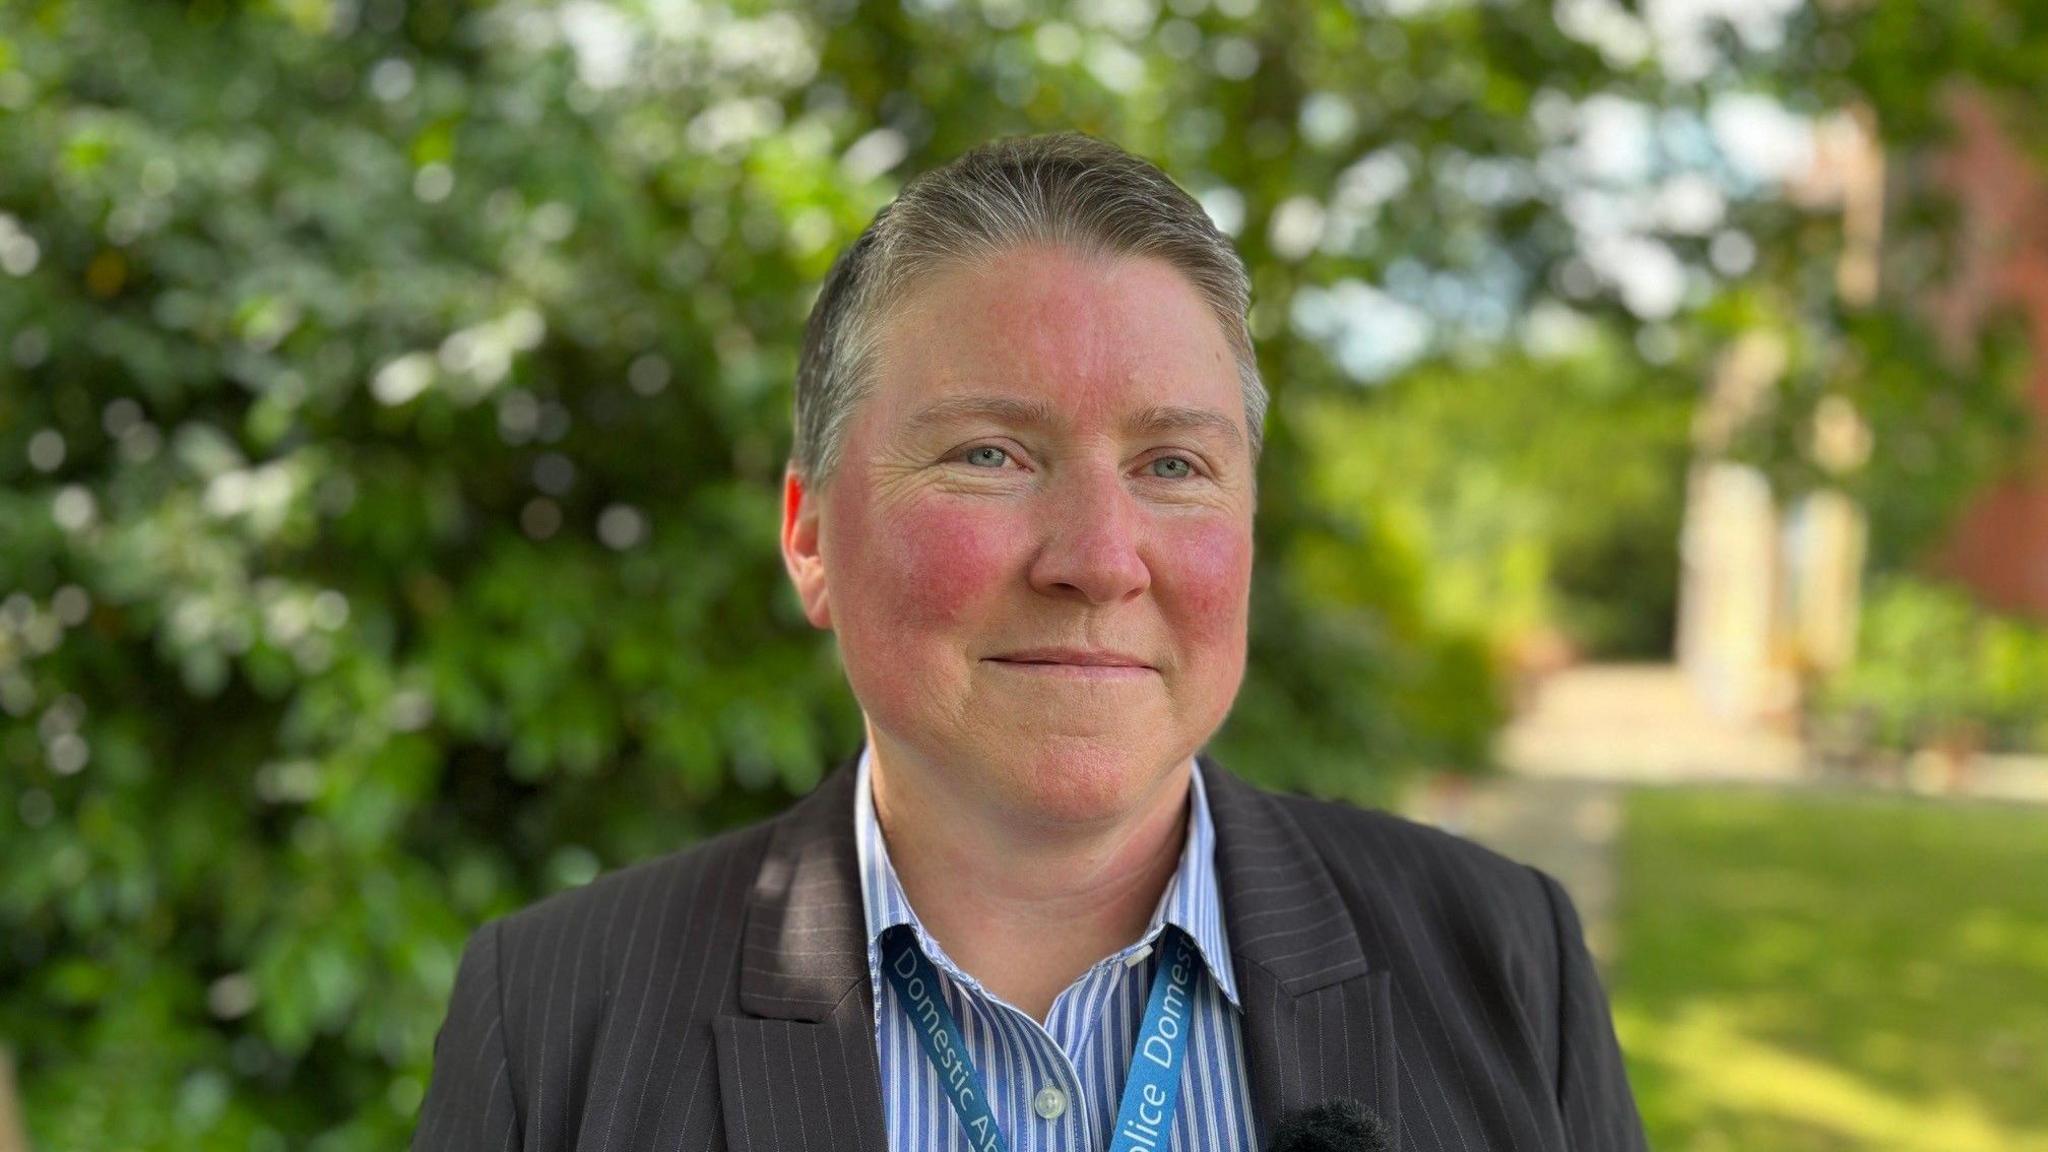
point(1076, 788)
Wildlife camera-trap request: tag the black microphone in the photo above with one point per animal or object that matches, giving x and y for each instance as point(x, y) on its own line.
point(1332, 1126)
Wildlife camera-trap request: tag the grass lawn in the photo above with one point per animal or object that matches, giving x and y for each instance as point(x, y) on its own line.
point(1801, 972)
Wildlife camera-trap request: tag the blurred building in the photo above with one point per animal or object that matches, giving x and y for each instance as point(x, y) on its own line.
point(1770, 587)
point(2000, 545)
point(1770, 590)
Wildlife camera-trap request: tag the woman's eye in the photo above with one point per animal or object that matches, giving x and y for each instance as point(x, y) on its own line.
point(1185, 469)
point(987, 454)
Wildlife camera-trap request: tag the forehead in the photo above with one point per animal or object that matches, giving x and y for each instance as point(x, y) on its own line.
point(1076, 337)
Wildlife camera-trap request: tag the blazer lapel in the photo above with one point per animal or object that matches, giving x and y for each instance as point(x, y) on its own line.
point(1318, 1020)
point(796, 1064)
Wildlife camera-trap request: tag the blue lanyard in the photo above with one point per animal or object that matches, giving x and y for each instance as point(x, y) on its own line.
point(1151, 1090)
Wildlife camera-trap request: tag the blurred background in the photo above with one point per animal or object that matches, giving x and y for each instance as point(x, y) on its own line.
point(394, 393)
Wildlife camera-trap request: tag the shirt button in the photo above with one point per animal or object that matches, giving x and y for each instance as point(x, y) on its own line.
point(1050, 1103)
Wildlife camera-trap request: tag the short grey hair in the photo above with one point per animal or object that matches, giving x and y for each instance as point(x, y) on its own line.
point(1065, 188)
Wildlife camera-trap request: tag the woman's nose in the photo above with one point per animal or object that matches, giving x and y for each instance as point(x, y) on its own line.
point(1093, 529)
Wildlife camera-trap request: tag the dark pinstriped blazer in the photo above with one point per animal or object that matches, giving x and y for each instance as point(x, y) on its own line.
point(718, 997)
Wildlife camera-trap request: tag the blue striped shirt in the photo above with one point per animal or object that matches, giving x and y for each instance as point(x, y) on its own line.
point(1073, 1066)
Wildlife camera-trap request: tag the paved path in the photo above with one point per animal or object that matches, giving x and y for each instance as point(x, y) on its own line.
point(1590, 733)
point(1639, 724)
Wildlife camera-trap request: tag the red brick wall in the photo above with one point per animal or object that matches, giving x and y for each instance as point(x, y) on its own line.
point(1999, 546)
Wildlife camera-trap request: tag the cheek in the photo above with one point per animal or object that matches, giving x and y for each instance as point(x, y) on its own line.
point(931, 562)
point(1206, 579)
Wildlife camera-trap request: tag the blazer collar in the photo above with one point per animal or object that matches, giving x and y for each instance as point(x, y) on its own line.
point(805, 937)
point(800, 1052)
point(1281, 909)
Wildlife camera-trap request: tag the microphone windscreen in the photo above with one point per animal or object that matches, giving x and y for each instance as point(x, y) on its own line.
point(1332, 1126)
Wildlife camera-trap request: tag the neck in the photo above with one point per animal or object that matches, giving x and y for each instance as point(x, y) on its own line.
point(1026, 906)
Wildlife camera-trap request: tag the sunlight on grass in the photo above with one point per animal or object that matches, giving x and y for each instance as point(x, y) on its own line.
point(1719, 1068)
point(1824, 972)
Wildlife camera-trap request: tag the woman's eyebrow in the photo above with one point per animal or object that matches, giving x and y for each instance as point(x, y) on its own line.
point(1001, 409)
point(1162, 418)
point(1018, 412)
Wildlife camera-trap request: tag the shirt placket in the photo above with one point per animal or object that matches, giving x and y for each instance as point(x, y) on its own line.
point(1080, 1013)
point(1022, 1102)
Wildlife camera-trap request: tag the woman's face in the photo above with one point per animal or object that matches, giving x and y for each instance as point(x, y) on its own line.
point(1052, 471)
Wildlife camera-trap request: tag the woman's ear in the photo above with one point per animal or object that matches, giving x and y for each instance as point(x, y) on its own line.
point(800, 549)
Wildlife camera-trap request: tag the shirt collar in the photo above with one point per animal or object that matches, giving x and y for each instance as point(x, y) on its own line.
point(1192, 901)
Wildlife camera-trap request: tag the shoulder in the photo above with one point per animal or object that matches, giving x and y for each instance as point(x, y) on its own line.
point(543, 984)
point(1425, 881)
point(682, 907)
point(1406, 849)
